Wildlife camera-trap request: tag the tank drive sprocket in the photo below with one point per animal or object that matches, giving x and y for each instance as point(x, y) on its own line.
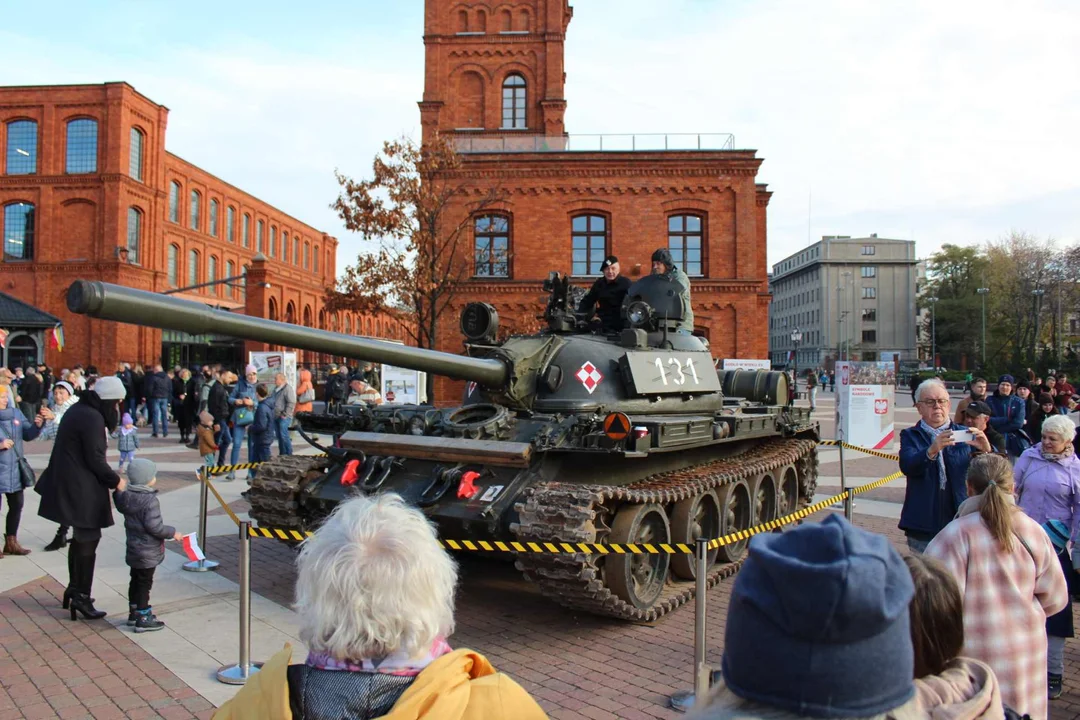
point(275, 491)
point(565, 512)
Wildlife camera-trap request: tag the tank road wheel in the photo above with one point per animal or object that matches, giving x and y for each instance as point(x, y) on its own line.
point(639, 578)
point(788, 491)
point(765, 498)
point(737, 514)
point(693, 518)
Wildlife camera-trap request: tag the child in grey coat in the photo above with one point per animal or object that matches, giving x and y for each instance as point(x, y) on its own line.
point(128, 441)
point(146, 536)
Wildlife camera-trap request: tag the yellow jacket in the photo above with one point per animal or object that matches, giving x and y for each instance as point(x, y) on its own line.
point(460, 685)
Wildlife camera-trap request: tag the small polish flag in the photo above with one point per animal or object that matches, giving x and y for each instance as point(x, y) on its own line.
point(191, 547)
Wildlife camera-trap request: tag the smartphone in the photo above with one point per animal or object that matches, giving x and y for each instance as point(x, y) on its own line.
point(963, 436)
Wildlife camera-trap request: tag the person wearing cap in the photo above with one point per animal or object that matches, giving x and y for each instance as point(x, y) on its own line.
point(818, 626)
point(976, 391)
point(1011, 581)
point(1065, 391)
point(1023, 391)
point(146, 534)
point(75, 487)
point(1044, 408)
point(63, 398)
point(664, 264)
point(1059, 626)
point(606, 296)
point(977, 419)
point(337, 386)
point(1008, 416)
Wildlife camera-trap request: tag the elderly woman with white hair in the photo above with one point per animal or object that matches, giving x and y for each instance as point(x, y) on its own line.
point(375, 596)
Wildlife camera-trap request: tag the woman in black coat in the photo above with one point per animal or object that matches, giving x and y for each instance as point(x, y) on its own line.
point(75, 486)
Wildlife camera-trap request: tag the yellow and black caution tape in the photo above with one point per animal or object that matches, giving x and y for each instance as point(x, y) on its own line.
point(585, 548)
point(867, 451)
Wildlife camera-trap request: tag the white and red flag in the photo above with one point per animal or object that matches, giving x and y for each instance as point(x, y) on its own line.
point(191, 547)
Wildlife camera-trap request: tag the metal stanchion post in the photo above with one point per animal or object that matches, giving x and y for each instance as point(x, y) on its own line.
point(239, 673)
point(683, 700)
point(849, 501)
point(202, 565)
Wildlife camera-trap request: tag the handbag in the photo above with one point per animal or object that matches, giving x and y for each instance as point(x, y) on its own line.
point(307, 396)
point(243, 416)
point(27, 476)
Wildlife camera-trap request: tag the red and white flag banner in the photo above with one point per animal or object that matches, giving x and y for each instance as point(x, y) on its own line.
point(191, 547)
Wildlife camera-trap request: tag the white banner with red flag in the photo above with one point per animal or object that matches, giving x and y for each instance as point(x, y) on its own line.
point(191, 547)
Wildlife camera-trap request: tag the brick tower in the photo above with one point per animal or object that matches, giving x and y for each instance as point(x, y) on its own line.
point(490, 71)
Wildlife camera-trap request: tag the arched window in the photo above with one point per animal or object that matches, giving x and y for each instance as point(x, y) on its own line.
point(513, 104)
point(196, 208)
point(348, 324)
point(589, 243)
point(272, 310)
point(307, 316)
point(213, 217)
point(284, 246)
point(82, 146)
point(230, 224)
point(290, 312)
point(173, 267)
point(259, 227)
point(296, 250)
point(18, 231)
point(193, 267)
point(273, 241)
point(230, 268)
point(315, 260)
point(135, 154)
point(174, 202)
point(481, 21)
point(22, 147)
point(245, 232)
point(685, 241)
point(134, 234)
point(463, 21)
point(211, 274)
point(491, 246)
point(506, 21)
point(307, 255)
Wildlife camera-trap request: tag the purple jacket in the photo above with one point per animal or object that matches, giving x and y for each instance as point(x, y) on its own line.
point(1049, 490)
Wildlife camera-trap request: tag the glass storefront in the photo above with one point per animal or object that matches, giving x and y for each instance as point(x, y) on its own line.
point(193, 351)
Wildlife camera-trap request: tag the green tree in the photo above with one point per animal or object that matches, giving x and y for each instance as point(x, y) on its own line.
point(954, 274)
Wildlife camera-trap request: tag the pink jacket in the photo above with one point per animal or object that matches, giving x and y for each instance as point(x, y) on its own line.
point(967, 690)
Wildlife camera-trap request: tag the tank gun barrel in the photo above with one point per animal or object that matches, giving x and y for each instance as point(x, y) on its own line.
point(106, 301)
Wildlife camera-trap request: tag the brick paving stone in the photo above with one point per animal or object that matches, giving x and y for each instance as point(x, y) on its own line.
point(51, 667)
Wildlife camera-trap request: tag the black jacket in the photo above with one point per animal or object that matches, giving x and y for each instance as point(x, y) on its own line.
point(608, 298)
point(128, 381)
point(146, 531)
point(337, 388)
point(30, 390)
point(75, 486)
point(217, 403)
point(158, 386)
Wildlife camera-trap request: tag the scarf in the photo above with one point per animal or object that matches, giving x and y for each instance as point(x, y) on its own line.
point(393, 664)
point(127, 430)
point(132, 487)
point(941, 455)
point(1056, 457)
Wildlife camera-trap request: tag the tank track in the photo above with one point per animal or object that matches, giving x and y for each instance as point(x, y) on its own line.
point(275, 491)
point(564, 512)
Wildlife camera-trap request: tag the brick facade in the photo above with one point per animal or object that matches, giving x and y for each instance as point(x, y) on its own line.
point(82, 222)
point(473, 53)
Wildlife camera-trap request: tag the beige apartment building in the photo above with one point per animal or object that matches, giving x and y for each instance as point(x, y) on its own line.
point(848, 297)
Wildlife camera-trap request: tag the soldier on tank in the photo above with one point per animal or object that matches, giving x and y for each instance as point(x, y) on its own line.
point(606, 296)
point(664, 264)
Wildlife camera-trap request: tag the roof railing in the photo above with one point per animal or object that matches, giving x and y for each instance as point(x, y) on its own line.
point(518, 142)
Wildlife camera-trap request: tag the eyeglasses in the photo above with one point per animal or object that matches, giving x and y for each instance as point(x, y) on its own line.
point(931, 403)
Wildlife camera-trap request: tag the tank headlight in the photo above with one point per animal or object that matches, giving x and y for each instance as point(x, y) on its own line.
point(638, 313)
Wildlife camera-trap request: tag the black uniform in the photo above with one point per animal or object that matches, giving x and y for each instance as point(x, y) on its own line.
point(607, 297)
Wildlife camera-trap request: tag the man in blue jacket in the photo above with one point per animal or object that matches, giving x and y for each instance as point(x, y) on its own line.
point(935, 464)
point(1008, 413)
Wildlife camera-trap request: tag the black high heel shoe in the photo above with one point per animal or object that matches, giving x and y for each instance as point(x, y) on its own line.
point(68, 594)
point(81, 603)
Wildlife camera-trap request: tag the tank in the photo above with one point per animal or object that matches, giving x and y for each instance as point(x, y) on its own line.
point(566, 436)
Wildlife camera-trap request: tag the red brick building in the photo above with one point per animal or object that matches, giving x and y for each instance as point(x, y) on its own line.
point(88, 190)
point(494, 80)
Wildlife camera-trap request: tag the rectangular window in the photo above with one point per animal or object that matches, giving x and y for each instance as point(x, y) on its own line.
point(491, 246)
point(307, 255)
point(174, 202)
point(196, 201)
point(135, 155)
point(193, 267)
point(284, 246)
point(230, 224)
point(869, 314)
point(869, 250)
point(211, 274)
point(1073, 324)
point(273, 241)
point(869, 336)
point(869, 293)
point(174, 252)
point(259, 237)
point(589, 244)
point(22, 146)
point(315, 260)
point(868, 271)
point(229, 270)
point(685, 243)
point(213, 217)
point(296, 250)
point(245, 232)
point(82, 137)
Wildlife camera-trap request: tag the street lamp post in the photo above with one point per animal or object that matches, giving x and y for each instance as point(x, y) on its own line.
point(933, 331)
point(1037, 295)
point(839, 324)
point(796, 338)
point(850, 330)
point(983, 293)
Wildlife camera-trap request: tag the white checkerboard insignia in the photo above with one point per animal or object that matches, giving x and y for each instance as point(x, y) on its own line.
point(589, 376)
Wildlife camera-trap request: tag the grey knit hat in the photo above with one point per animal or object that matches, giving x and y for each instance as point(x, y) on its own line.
point(141, 471)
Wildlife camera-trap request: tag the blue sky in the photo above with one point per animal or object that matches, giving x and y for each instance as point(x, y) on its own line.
point(943, 122)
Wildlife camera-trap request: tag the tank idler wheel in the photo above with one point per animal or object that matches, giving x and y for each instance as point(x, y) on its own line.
point(639, 578)
point(765, 498)
point(693, 518)
point(737, 514)
point(788, 492)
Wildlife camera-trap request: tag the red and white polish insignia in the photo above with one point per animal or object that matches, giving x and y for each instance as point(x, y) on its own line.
point(589, 376)
point(470, 389)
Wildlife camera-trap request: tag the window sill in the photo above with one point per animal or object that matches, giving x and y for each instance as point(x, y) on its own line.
point(513, 129)
point(471, 33)
point(513, 32)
